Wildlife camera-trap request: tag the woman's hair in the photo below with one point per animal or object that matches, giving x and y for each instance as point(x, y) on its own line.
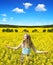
point(27, 39)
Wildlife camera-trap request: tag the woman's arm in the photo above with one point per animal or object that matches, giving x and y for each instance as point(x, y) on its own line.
point(15, 48)
point(45, 52)
point(37, 51)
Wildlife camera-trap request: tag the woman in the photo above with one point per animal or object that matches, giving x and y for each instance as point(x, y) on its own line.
point(26, 46)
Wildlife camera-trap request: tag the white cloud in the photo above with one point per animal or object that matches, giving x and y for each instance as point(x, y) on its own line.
point(27, 5)
point(18, 10)
point(4, 19)
point(40, 7)
point(3, 15)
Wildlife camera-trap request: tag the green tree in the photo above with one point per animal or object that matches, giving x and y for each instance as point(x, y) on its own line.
point(35, 30)
point(3, 30)
point(25, 30)
point(16, 30)
point(44, 30)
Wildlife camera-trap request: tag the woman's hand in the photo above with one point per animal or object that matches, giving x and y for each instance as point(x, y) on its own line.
point(8, 46)
point(45, 52)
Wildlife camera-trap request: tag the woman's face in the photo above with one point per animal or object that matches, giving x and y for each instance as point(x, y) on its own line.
point(25, 36)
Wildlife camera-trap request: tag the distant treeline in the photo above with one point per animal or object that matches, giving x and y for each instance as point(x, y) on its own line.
point(25, 30)
point(17, 26)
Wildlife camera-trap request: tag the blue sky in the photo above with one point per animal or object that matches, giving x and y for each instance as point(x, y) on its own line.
point(26, 12)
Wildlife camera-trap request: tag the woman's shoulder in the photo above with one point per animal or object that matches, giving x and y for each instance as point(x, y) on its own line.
point(21, 43)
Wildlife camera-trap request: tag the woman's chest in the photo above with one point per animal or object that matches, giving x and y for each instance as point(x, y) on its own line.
point(26, 45)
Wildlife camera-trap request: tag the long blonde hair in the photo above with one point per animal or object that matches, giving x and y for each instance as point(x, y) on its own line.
point(27, 40)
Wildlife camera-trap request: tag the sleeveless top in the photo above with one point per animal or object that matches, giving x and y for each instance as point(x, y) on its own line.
point(25, 50)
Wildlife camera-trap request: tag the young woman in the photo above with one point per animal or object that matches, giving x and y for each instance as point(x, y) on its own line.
point(26, 46)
